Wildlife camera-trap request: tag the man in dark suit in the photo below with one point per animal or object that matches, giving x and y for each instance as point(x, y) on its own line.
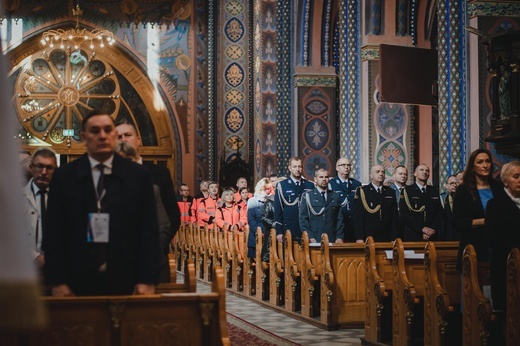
point(286, 201)
point(320, 210)
point(420, 208)
point(162, 179)
point(346, 187)
point(449, 231)
point(101, 235)
point(375, 209)
point(400, 177)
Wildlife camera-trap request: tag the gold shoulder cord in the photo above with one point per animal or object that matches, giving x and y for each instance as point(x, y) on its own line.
point(420, 210)
point(365, 204)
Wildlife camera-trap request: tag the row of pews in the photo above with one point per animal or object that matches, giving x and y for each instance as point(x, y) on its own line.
point(403, 293)
point(175, 315)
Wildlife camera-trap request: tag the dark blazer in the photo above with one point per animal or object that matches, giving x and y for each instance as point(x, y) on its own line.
point(330, 219)
point(132, 254)
point(502, 216)
point(465, 209)
point(161, 177)
point(413, 221)
point(346, 193)
point(286, 214)
point(381, 225)
point(449, 230)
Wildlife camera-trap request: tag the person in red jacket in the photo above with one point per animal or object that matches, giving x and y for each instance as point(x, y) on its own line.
point(207, 207)
point(230, 214)
point(196, 200)
point(184, 201)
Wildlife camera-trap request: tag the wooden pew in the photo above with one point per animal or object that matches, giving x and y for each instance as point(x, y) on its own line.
point(226, 245)
point(160, 319)
point(173, 267)
point(343, 287)
point(200, 264)
point(513, 298)
point(239, 259)
point(189, 285)
point(442, 297)
point(217, 248)
point(276, 270)
point(310, 277)
point(249, 270)
point(292, 273)
point(262, 269)
point(209, 248)
point(196, 243)
point(476, 308)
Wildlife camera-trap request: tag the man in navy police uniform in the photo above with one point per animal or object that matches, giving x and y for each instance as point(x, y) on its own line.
point(286, 201)
point(346, 188)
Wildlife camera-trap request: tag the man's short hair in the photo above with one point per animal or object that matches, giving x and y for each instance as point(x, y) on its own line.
point(320, 169)
point(46, 152)
point(91, 114)
point(294, 158)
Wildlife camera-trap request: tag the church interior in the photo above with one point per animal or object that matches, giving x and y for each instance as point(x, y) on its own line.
point(222, 89)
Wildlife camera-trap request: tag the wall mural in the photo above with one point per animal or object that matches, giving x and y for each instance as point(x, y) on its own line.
point(316, 124)
point(153, 32)
point(233, 130)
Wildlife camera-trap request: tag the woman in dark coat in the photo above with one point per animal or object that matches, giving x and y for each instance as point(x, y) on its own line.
point(502, 217)
point(255, 206)
point(470, 201)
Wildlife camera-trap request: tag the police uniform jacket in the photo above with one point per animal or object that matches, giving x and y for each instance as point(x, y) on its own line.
point(418, 210)
point(286, 204)
point(318, 216)
point(380, 219)
point(346, 191)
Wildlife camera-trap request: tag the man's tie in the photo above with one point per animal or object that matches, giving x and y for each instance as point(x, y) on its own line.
point(423, 190)
point(324, 195)
point(450, 200)
point(379, 190)
point(43, 211)
point(101, 180)
point(297, 183)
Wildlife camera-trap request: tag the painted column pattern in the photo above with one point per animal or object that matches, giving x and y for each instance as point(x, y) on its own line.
point(351, 71)
point(233, 130)
point(265, 87)
point(202, 91)
point(283, 84)
point(451, 97)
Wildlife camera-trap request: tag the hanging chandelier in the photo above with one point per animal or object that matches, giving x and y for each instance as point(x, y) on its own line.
point(76, 37)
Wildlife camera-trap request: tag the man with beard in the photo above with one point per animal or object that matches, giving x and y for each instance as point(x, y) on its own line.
point(320, 211)
point(286, 201)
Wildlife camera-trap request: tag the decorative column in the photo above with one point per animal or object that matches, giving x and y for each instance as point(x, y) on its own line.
point(452, 90)
point(283, 85)
point(349, 68)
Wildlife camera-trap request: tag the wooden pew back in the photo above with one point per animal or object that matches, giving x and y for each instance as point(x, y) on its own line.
point(513, 298)
point(343, 284)
point(292, 270)
point(477, 312)
point(160, 319)
point(276, 270)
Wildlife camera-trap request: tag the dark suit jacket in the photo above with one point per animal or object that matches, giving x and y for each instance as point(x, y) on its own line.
point(432, 216)
point(162, 178)
point(502, 217)
point(381, 225)
point(329, 221)
point(132, 254)
point(286, 215)
point(465, 209)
